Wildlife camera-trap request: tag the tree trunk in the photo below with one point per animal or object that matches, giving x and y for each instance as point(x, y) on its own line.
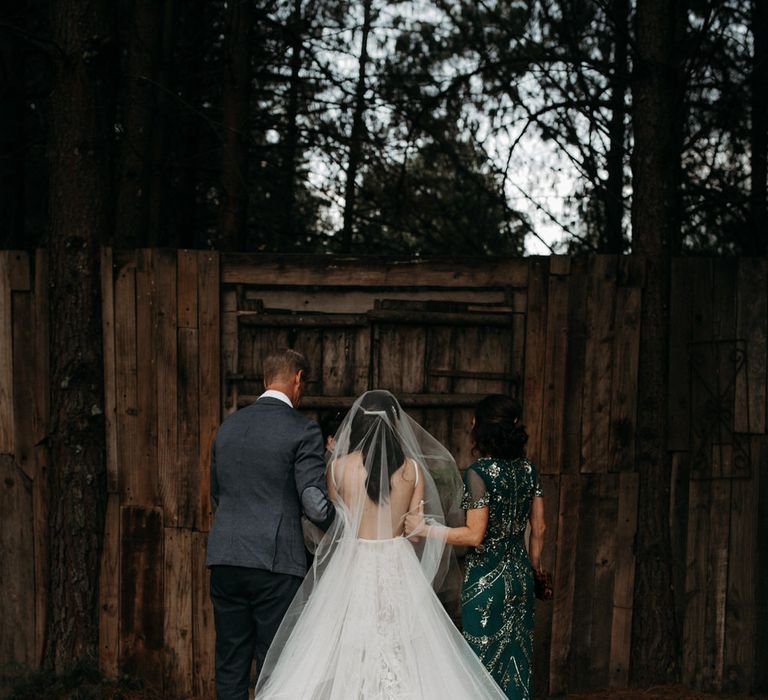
point(81, 122)
point(292, 127)
point(235, 105)
point(139, 112)
point(613, 241)
point(758, 242)
point(655, 644)
point(356, 136)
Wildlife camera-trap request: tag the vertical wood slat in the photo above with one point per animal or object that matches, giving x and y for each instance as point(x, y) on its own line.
point(6, 357)
point(760, 649)
point(166, 385)
point(110, 381)
point(555, 358)
point(717, 583)
point(584, 614)
point(752, 326)
point(229, 348)
point(623, 402)
point(17, 603)
point(187, 288)
point(694, 626)
point(680, 329)
point(542, 638)
point(177, 607)
point(624, 580)
point(598, 364)
point(109, 590)
point(571, 458)
point(141, 594)
point(535, 339)
point(146, 448)
point(204, 635)
point(24, 379)
point(740, 613)
point(126, 395)
point(565, 584)
point(604, 560)
point(188, 422)
point(40, 486)
point(209, 385)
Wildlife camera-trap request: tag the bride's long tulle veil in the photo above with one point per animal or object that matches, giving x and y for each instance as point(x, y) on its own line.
point(366, 622)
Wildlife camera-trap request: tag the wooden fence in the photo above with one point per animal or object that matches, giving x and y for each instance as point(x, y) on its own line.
point(183, 336)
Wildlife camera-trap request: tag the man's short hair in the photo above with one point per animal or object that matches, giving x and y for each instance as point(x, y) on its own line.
point(282, 364)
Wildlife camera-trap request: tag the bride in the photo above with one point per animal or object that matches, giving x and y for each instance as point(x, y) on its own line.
point(367, 622)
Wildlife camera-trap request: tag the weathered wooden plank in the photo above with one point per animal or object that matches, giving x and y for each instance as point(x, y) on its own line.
point(6, 357)
point(166, 351)
point(704, 369)
point(187, 288)
point(336, 370)
point(229, 346)
point(542, 638)
point(110, 379)
point(209, 325)
point(565, 584)
point(203, 632)
point(694, 624)
point(584, 613)
point(109, 590)
point(626, 353)
point(761, 569)
point(141, 594)
point(17, 603)
point(680, 329)
point(338, 271)
point(752, 326)
point(188, 426)
point(362, 375)
point(740, 612)
point(535, 344)
point(147, 490)
point(24, 379)
point(596, 400)
point(40, 412)
point(678, 530)
point(401, 359)
point(129, 479)
point(604, 562)
point(717, 583)
point(571, 457)
point(560, 265)
point(624, 580)
point(20, 279)
point(178, 623)
point(552, 438)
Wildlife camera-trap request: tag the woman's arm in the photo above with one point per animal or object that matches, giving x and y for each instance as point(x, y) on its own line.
point(471, 535)
point(536, 540)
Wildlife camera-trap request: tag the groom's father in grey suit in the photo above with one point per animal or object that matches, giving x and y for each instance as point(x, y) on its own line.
point(266, 470)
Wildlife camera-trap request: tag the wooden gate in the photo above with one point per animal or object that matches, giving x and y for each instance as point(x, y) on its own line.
point(184, 333)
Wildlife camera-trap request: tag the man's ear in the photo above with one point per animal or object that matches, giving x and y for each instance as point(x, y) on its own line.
point(299, 378)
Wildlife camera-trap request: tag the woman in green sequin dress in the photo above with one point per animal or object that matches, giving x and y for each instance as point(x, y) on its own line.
point(502, 495)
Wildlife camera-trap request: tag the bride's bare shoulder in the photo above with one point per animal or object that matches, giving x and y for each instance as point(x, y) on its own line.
point(408, 471)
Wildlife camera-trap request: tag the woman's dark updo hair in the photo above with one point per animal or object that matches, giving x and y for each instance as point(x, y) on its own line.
point(363, 432)
point(498, 431)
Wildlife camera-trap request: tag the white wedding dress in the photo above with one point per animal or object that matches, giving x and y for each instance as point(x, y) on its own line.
point(367, 623)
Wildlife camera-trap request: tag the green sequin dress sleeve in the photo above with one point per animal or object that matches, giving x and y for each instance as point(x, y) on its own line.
point(497, 599)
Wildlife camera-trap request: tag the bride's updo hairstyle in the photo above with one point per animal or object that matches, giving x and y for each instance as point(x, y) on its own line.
point(498, 431)
point(378, 412)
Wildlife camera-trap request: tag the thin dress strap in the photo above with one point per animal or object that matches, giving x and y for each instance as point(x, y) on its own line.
point(416, 467)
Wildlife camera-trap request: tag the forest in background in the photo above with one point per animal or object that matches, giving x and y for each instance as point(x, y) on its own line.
point(420, 127)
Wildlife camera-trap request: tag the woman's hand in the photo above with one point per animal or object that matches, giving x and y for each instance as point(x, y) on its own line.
point(415, 524)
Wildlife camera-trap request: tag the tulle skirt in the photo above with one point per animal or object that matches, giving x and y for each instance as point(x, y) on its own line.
point(373, 629)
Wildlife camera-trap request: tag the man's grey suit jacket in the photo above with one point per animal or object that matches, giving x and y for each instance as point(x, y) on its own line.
point(266, 468)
